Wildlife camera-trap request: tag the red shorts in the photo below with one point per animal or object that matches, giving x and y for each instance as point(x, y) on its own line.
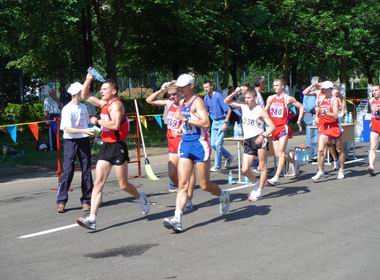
point(281, 131)
point(333, 131)
point(173, 144)
point(375, 125)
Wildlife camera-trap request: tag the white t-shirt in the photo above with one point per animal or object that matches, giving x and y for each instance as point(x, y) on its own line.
point(252, 123)
point(74, 116)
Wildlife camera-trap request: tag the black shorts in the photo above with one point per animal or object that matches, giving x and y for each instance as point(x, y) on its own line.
point(250, 147)
point(114, 153)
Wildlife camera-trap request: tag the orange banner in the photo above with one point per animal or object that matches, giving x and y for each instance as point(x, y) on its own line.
point(34, 129)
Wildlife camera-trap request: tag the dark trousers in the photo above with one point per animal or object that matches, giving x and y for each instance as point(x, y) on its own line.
point(53, 126)
point(72, 148)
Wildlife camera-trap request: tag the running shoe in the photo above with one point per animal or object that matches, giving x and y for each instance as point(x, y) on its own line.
point(371, 171)
point(224, 204)
point(173, 224)
point(255, 195)
point(86, 223)
point(228, 162)
point(86, 207)
point(61, 208)
point(317, 176)
point(273, 181)
point(188, 206)
point(214, 169)
point(336, 165)
point(144, 204)
point(340, 175)
point(172, 187)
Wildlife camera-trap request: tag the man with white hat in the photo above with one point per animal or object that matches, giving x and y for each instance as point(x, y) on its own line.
point(194, 149)
point(74, 123)
point(327, 111)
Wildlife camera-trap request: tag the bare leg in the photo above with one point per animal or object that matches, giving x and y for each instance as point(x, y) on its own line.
point(122, 178)
point(246, 167)
point(280, 153)
point(172, 168)
point(185, 169)
point(372, 149)
point(322, 141)
point(102, 171)
point(341, 152)
point(262, 153)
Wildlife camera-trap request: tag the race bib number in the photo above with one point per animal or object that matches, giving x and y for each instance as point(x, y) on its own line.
point(250, 122)
point(172, 123)
point(277, 111)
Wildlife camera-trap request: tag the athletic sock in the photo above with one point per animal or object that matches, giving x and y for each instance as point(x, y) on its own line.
point(92, 218)
point(178, 215)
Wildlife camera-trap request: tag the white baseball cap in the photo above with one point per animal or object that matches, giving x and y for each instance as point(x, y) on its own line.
point(75, 88)
point(184, 80)
point(327, 85)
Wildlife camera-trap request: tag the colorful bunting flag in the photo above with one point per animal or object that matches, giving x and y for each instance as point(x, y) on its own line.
point(158, 120)
point(12, 130)
point(143, 121)
point(34, 129)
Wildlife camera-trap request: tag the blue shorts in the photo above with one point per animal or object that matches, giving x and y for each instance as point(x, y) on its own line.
point(196, 151)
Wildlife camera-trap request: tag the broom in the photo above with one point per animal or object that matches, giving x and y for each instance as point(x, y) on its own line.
point(148, 168)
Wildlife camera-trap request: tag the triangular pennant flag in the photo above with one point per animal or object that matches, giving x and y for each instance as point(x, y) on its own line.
point(34, 129)
point(158, 120)
point(12, 130)
point(143, 121)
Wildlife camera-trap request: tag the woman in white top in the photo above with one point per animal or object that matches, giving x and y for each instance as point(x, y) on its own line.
point(255, 143)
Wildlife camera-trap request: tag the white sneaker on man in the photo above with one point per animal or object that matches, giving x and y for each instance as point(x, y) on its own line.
point(317, 176)
point(255, 195)
point(214, 169)
point(273, 181)
point(340, 175)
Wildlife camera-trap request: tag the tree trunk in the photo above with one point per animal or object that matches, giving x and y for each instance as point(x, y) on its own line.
point(226, 45)
point(86, 31)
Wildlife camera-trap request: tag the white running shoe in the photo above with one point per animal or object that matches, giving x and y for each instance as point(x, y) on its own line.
point(340, 175)
point(273, 181)
point(173, 224)
point(86, 223)
point(317, 176)
point(214, 169)
point(224, 204)
point(228, 162)
point(144, 204)
point(255, 195)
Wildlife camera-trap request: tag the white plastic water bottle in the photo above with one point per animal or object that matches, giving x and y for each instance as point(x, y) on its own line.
point(349, 117)
point(236, 130)
point(97, 76)
point(230, 178)
point(346, 117)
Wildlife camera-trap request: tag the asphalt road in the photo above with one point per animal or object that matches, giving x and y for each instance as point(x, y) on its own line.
point(299, 230)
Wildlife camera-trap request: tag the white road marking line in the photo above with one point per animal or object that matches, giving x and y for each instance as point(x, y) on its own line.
point(240, 187)
point(48, 231)
point(75, 225)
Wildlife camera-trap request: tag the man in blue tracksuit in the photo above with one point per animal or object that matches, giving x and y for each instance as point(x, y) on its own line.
point(219, 113)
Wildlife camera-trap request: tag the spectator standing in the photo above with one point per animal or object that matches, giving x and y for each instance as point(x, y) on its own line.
point(74, 123)
point(52, 110)
point(219, 113)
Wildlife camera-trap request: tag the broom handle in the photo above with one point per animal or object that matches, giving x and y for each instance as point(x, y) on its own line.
point(141, 132)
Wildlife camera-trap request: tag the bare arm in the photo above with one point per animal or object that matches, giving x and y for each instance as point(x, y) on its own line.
point(269, 100)
point(72, 130)
point(270, 125)
point(229, 99)
point(310, 89)
point(200, 110)
point(300, 110)
point(86, 95)
point(152, 99)
point(116, 112)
